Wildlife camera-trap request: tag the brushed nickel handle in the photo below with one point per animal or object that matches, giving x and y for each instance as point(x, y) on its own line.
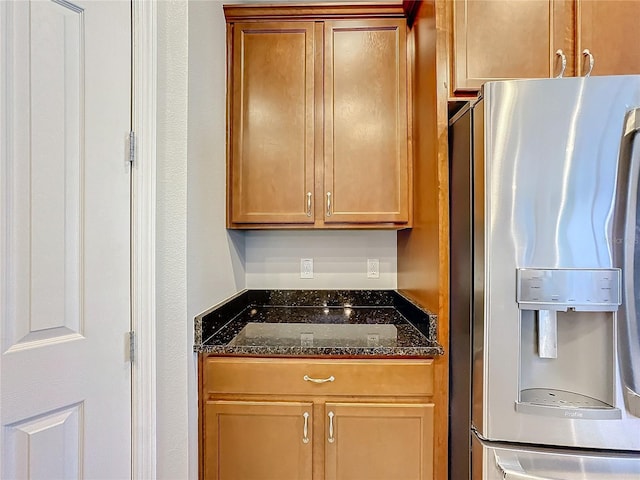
point(328, 204)
point(563, 59)
point(305, 429)
point(331, 438)
point(308, 204)
point(587, 53)
point(307, 378)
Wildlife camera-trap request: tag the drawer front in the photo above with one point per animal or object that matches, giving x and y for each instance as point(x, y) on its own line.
point(317, 377)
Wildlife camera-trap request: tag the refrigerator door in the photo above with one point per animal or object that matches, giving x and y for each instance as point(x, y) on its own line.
point(627, 257)
point(506, 463)
point(548, 175)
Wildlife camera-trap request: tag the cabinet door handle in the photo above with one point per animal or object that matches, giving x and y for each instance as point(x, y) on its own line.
point(563, 59)
point(307, 378)
point(305, 429)
point(331, 438)
point(328, 204)
point(587, 53)
point(308, 204)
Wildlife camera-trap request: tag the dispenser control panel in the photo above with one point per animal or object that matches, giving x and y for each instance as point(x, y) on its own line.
point(568, 288)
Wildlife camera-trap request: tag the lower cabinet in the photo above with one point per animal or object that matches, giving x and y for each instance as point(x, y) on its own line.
point(379, 441)
point(316, 430)
point(258, 440)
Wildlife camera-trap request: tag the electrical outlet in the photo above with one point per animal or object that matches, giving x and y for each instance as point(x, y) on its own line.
point(373, 268)
point(306, 268)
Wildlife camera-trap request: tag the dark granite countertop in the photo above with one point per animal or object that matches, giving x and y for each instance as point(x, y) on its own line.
point(380, 323)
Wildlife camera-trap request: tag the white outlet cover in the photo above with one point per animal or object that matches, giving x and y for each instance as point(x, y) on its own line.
point(306, 268)
point(373, 268)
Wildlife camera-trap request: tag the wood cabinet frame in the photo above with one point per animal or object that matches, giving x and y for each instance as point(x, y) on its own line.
point(392, 391)
point(323, 15)
point(604, 28)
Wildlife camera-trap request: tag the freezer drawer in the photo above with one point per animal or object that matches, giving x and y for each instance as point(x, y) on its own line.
point(518, 463)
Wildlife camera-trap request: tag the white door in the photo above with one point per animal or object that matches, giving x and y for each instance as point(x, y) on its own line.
point(65, 379)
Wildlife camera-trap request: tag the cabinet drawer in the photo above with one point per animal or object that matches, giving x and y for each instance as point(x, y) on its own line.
point(296, 377)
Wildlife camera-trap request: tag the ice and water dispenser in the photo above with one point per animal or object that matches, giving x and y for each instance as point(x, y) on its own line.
point(567, 341)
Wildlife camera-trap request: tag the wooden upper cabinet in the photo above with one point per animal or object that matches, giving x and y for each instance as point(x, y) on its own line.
point(365, 107)
point(272, 123)
point(608, 29)
point(496, 40)
point(318, 116)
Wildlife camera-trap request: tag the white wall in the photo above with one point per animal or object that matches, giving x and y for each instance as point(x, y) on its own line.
point(339, 258)
point(215, 256)
point(173, 329)
point(199, 263)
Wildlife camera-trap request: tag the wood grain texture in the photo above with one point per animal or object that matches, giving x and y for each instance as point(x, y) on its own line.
point(419, 249)
point(247, 439)
point(264, 376)
point(366, 168)
point(251, 413)
point(609, 30)
point(319, 10)
point(272, 116)
point(318, 108)
point(380, 441)
point(502, 40)
point(423, 252)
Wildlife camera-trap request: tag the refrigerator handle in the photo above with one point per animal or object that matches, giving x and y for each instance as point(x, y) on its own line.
point(626, 256)
point(511, 469)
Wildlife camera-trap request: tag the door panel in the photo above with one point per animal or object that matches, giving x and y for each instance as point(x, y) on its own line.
point(47, 446)
point(609, 30)
point(366, 157)
point(274, 430)
point(65, 194)
point(368, 441)
point(47, 191)
point(496, 40)
point(272, 116)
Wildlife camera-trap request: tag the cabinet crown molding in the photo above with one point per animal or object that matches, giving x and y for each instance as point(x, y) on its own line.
point(316, 11)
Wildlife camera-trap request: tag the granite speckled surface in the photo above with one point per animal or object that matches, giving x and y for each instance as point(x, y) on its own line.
point(271, 322)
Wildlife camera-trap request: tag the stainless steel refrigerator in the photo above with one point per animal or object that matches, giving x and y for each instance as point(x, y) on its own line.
point(545, 257)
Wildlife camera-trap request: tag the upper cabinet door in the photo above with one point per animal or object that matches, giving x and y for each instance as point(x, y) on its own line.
point(366, 168)
point(608, 29)
point(497, 40)
point(271, 142)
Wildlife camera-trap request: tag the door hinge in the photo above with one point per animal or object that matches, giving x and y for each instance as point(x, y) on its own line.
point(132, 147)
point(132, 346)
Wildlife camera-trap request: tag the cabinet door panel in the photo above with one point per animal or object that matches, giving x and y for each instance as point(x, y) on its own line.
point(257, 441)
point(609, 30)
point(495, 40)
point(366, 159)
point(272, 123)
point(379, 441)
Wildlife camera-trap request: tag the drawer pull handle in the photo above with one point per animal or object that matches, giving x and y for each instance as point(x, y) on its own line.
point(331, 438)
point(328, 204)
point(563, 59)
point(308, 204)
point(305, 430)
point(307, 378)
point(588, 54)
